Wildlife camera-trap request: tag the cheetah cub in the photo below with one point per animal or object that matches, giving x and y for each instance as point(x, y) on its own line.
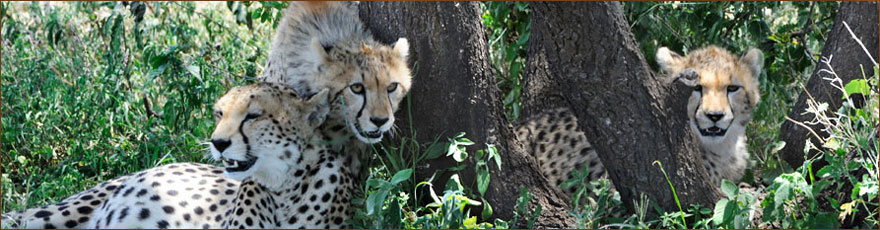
point(725, 93)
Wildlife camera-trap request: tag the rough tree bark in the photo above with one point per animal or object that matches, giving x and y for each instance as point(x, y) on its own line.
point(848, 60)
point(454, 91)
point(584, 57)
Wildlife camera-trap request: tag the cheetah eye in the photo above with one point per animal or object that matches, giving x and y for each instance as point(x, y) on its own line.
point(733, 88)
point(698, 88)
point(357, 88)
point(251, 116)
point(392, 87)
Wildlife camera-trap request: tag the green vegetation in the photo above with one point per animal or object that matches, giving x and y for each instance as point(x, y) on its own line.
point(94, 90)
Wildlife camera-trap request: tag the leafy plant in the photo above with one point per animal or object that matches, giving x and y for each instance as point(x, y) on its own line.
point(95, 90)
point(508, 25)
point(734, 211)
point(593, 202)
point(388, 203)
point(522, 213)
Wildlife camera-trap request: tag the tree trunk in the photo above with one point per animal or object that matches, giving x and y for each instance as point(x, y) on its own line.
point(584, 57)
point(848, 61)
point(454, 91)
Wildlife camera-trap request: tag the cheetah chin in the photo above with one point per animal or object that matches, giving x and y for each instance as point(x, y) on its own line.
point(369, 137)
point(713, 131)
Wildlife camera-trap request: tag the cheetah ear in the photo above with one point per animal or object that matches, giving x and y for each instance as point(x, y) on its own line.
point(321, 50)
point(402, 47)
point(316, 107)
point(754, 59)
point(689, 77)
point(670, 62)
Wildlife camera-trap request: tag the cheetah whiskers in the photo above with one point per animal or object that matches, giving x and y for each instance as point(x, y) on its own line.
point(393, 131)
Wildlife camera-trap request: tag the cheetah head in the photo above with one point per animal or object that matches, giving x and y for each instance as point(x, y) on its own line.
point(262, 130)
point(725, 89)
point(375, 80)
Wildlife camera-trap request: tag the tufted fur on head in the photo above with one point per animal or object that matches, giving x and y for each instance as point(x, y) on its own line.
point(725, 93)
point(325, 45)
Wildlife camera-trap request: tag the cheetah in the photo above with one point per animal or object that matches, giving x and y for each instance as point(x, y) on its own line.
point(725, 93)
point(276, 174)
point(325, 45)
point(553, 136)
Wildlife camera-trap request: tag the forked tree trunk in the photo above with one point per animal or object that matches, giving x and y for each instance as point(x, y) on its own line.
point(454, 91)
point(848, 61)
point(584, 57)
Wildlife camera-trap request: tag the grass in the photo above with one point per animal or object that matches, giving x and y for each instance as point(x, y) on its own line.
point(89, 93)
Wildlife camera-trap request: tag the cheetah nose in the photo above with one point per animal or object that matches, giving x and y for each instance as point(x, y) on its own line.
point(220, 144)
point(379, 121)
point(714, 116)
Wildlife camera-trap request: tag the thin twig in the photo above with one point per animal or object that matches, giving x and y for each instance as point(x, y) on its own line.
point(808, 27)
point(806, 127)
point(860, 42)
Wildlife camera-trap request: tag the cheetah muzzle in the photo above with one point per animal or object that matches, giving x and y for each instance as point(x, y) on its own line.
point(238, 166)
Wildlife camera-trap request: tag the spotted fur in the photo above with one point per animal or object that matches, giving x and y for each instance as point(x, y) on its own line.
point(726, 90)
point(325, 45)
point(276, 175)
point(558, 144)
point(73, 212)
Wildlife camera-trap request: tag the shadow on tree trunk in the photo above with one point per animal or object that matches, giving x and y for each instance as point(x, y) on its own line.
point(454, 91)
point(584, 57)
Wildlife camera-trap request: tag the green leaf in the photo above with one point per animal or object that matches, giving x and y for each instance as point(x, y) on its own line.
point(195, 71)
point(783, 192)
point(857, 86)
point(464, 141)
point(821, 221)
point(471, 201)
point(22, 159)
point(459, 155)
point(393, 215)
point(376, 200)
point(487, 210)
point(493, 154)
point(457, 150)
point(454, 184)
point(433, 194)
point(457, 168)
point(436, 150)
point(825, 171)
point(729, 188)
point(867, 187)
point(483, 179)
point(157, 71)
point(501, 224)
point(470, 222)
point(720, 207)
point(378, 184)
point(401, 176)
point(820, 185)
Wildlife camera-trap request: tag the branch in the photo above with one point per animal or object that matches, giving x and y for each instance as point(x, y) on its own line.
point(860, 42)
point(802, 34)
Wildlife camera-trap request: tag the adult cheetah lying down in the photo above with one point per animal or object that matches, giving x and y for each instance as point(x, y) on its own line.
point(276, 176)
point(724, 97)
